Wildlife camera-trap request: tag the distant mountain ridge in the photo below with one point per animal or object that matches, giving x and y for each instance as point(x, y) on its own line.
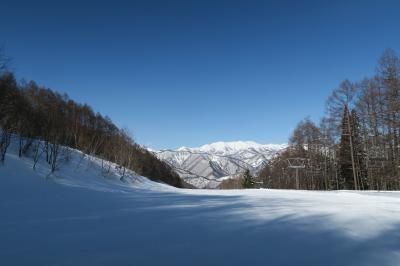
point(208, 165)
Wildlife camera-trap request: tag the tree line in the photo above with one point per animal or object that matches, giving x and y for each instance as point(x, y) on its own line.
point(356, 144)
point(45, 121)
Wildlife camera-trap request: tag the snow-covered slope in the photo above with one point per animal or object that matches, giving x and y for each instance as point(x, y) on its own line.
point(205, 166)
point(80, 217)
point(79, 170)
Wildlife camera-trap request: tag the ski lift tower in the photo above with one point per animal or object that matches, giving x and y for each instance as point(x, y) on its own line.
point(297, 163)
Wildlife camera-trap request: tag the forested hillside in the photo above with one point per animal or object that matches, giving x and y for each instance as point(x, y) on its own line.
point(357, 143)
point(46, 121)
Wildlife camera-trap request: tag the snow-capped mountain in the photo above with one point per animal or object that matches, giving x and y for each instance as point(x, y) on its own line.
point(208, 165)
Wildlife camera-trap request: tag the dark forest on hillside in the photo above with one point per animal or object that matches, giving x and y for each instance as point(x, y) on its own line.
point(45, 122)
point(357, 144)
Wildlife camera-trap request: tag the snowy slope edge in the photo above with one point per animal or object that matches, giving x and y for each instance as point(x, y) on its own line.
point(77, 169)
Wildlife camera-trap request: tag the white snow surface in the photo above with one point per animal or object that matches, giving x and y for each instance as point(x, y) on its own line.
point(81, 217)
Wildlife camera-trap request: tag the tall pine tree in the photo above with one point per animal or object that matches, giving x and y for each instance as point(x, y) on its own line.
point(345, 154)
point(248, 180)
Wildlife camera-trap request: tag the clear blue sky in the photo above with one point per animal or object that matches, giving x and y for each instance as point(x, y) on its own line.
point(192, 72)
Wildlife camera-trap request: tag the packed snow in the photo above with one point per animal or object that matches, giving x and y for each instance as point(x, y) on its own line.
point(83, 216)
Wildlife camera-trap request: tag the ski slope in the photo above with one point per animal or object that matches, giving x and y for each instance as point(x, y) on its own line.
point(81, 217)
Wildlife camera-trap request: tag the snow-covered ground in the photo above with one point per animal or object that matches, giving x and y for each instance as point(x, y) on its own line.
point(81, 217)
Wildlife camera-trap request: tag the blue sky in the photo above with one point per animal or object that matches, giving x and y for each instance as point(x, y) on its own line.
point(186, 73)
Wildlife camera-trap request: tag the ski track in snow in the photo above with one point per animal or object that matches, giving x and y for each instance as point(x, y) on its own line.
point(80, 217)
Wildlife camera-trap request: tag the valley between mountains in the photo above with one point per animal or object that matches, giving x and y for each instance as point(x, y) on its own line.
point(207, 166)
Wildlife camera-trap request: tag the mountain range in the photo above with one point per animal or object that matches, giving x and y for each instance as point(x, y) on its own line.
point(208, 165)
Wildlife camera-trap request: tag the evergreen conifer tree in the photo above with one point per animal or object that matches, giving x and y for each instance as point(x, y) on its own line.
point(248, 180)
point(345, 162)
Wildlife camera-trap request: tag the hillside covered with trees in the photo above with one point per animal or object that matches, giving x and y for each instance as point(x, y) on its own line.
point(45, 121)
point(357, 143)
